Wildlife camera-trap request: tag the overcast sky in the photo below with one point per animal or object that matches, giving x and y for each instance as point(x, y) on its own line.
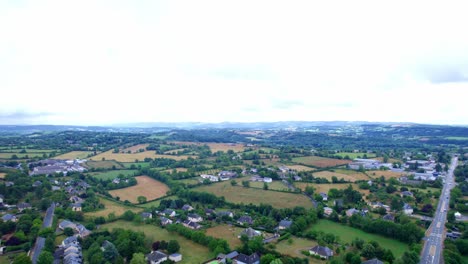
point(107, 62)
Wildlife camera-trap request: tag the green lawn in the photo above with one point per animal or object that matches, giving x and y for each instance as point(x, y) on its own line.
point(157, 202)
point(127, 165)
point(347, 234)
point(109, 175)
point(191, 252)
point(356, 155)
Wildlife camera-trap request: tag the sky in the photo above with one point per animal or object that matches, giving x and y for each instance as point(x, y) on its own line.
point(113, 62)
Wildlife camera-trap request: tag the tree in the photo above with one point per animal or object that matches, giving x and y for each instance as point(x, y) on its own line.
point(22, 259)
point(68, 231)
point(276, 261)
point(309, 190)
point(265, 186)
point(141, 199)
point(368, 251)
point(233, 183)
point(45, 258)
point(110, 251)
point(138, 258)
point(267, 259)
point(173, 246)
point(246, 183)
point(155, 245)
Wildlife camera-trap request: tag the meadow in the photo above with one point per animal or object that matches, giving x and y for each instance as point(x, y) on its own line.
point(112, 207)
point(297, 245)
point(104, 164)
point(229, 233)
point(110, 175)
point(355, 155)
point(146, 186)
point(74, 155)
point(387, 174)
point(320, 162)
point(215, 147)
point(2, 175)
point(351, 176)
point(140, 156)
point(157, 202)
point(300, 168)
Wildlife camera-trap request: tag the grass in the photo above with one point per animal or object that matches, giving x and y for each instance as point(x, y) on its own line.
point(239, 194)
point(346, 175)
point(146, 186)
point(229, 233)
point(326, 187)
point(347, 234)
point(294, 249)
point(191, 252)
point(190, 180)
point(353, 155)
point(275, 185)
point(104, 164)
point(125, 157)
point(112, 207)
point(215, 147)
point(300, 168)
point(7, 259)
point(157, 202)
point(320, 162)
point(136, 148)
point(109, 175)
point(20, 155)
point(127, 165)
point(387, 174)
point(74, 155)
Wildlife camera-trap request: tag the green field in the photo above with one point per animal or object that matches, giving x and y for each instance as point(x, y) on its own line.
point(105, 164)
point(127, 165)
point(191, 252)
point(275, 185)
point(239, 194)
point(356, 155)
point(110, 175)
point(347, 234)
point(320, 162)
point(157, 202)
point(20, 155)
point(294, 249)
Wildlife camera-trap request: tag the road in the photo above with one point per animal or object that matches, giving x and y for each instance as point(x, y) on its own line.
point(49, 216)
point(433, 247)
point(40, 241)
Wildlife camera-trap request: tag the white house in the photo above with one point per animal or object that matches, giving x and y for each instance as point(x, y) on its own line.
point(407, 209)
point(176, 257)
point(267, 179)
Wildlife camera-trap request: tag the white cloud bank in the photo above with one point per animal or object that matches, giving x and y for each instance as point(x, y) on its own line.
point(106, 62)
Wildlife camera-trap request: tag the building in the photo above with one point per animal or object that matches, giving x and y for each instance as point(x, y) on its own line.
point(176, 257)
point(284, 224)
point(351, 212)
point(324, 196)
point(406, 193)
point(372, 261)
point(250, 233)
point(23, 206)
point(191, 225)
point(9, 217)
point(146, 215)
point(156, 257)
point(194, 218)
point(187, 207)
point(407, 209)
point(66, 223)
point(327, 211)
point(267, 179)
point(245, 220)
point(76, 207)
point(211, 178)
point(323, 252)
point(256, 178)
point(225, 213)
point(458, 215)
point(165, 221)
point(244, 259)
point(389, 217)
point(169, 212)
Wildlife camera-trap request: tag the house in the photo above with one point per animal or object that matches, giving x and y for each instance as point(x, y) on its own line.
point(106, 244)
point(227, 174)
point(146, 215)
point(76, 207)
point(9, 217)
point(23, 206)
point(245, 220)
point(389, 217)
point(457, 215)
point(351, 212)
point(176, 257)
point(1, 198)
point(211, 178)
point(338, 202)
point(250, 233)
point(66, 223)
point(406, 193)
point(372, 261)
point(297, 178)
point(221, 258)
point(267, 179)
point(407, 209)
point(194, 218)
point(169, 212)
point(156, 257)
point(225, 213)
point(187, 207)
point(210, 212)
point(70, 241)
point(327, 211)
point(165, 221)
point(323, 252)
point(191, 225)
point(36, 184)
point(256, 178)
point(324, 196)
point(284, 224)
point(9, 183)
point(244, 259)
point(82, 231)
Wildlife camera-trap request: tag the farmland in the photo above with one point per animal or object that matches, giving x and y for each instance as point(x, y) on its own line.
point(146, 186)
point(351, 176)
point(140, 156)
point(294, 249)
point(192, 252)
point(135, 149)
point(74, 155)
point(387, 174)
point(347, 234)
point(238, 194)
point(215, 147)
point(320, 162)
point(326, 187)
point(128, 165)
point(157, 202)
point(105, 164)
point(275, 185)
point(112, 207)
point(109, 175)
point(300, 168)
point(355, 155)
point(229, 233)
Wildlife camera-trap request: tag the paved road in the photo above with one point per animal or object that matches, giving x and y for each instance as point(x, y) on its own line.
point(49, 216)
point(40, 241)
point(433, 247)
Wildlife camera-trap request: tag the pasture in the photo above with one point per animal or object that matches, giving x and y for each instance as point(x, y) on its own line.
point(327, 186)
point(157, 202)
point(146, 186)
point(229, 233)
point(109, 175)
point(387, 174)
point(104, 164)
point(215, 147)
point(294, 249)
point(355, 155)
point(135, 149)
point(275, 185)
point(128, 165)
point(112, 207)
point(351, 176)
point(192, 252)
point(347, 234)
point(320, 162)
point(140, 156)
point(74, 155)
point(239, 194)
point(300, 168)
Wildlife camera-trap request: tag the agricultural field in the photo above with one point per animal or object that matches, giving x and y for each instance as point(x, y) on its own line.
point(146, 186)
point(327, 186)
point(140, 156)
point(176, 169)
point(128, 165)
point(294, 249)
point(239, 194)
point(112, 207)
point(347, 234)
point(74, 155)
point(320, 161)
point(109, 175)
point(215, 147)
point(104, 164)
point(191, 252)
point(355, 155)
point(386, 173)
point(157, 202)
point(2, 175)
point(275, 185)
point(9, 155)
point(390, 160)
point(191, 180)
point(135, 149)
point(300, 168)
point(351, 176)
point(229, 233)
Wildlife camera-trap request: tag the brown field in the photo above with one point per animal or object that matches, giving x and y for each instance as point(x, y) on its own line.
point(125, 157)
point(2, 175)
point(135, 148)
point(300, 168)
point(229, 233)
point(106, 164)
point(320, 162)
point(112, 207)
point(215, 147)
point(148, 187)
point(387, 174)
point(352, 177)
point(239, 194)
point(74, 155)
point(177, 170)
